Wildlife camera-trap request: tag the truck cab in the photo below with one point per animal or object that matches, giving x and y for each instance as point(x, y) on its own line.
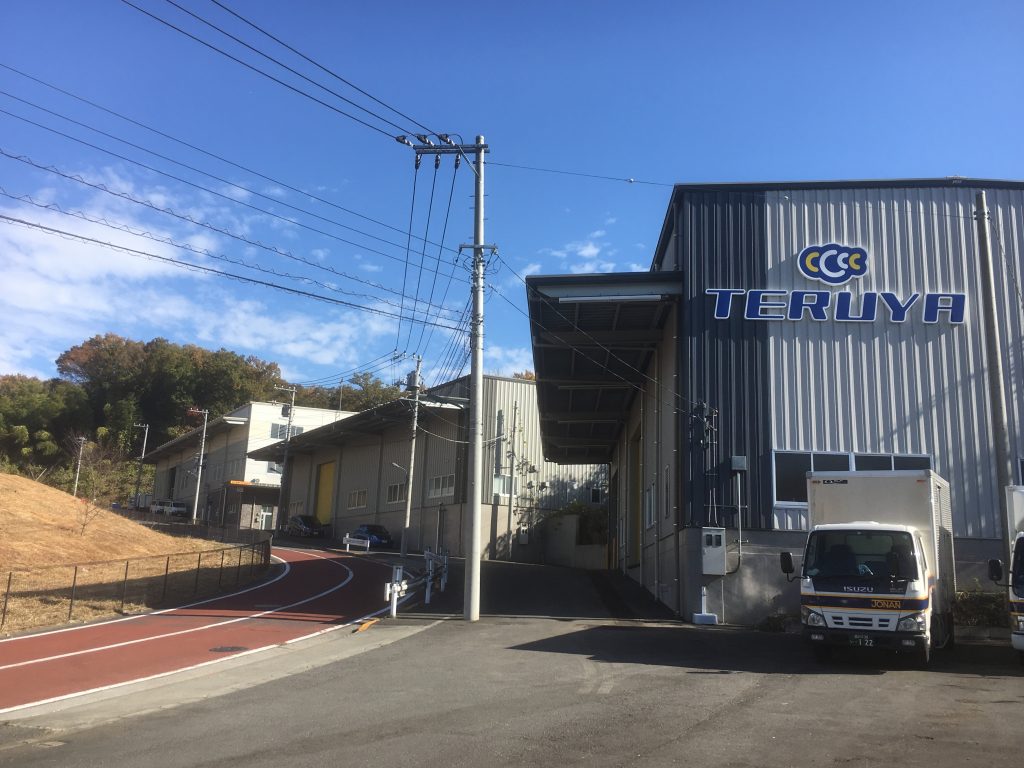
point(865, 584)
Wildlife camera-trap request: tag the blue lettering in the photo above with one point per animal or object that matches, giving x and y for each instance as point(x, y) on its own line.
point(953, 303)
point(868, 307)
point(897, 309)
point(798, 304)
point(723, 300)
point(757, 304)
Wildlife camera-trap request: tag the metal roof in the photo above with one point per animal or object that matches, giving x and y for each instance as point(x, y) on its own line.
point(213, 427)
point(593, 337)
point(372, 421)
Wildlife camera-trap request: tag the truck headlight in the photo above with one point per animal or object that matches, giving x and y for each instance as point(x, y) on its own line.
point(913, 623)
point(811, 618)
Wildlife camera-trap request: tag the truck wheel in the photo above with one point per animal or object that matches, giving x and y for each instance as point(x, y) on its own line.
point(822, 653)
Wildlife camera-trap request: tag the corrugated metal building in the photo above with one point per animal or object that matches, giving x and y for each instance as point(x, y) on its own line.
point(794, 327)
point(354, 472)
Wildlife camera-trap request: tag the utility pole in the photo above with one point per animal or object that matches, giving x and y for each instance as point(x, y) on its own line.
point(412, 456)
point(287, 443)
point(78, 464)
point(199, 461)
point(994, 368)
point(142, 456)
point(471, 605)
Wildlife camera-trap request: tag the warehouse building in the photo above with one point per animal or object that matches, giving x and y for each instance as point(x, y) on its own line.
point(783, 328)
point(355, 472)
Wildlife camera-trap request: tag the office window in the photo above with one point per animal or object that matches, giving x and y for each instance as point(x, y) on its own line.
point(595, 495)
point(649, 506)
point(280, 431)
point(441, 486)
point(357, 499)
point(911, 462)
point(791, 470)
point(872, 462)
point(505, 484)
point(396, 493)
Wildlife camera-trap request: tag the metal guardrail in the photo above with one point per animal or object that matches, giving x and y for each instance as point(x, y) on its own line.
point(437, 571)
point(37, 597)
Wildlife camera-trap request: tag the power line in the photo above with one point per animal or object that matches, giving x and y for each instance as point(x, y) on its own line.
point(137, 232)
point(281, 64)
point(627, 180)
point(321, 67)
point(197, 222)
point(213, 176)
point(216, 193)
point(213, 155)
point(420, 345)
point(408, 244)
point(426, 233)
point(258, 70)
point(208, 270)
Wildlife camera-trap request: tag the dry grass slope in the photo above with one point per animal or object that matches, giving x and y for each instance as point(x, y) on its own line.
point(63, 560)
point(41, 526)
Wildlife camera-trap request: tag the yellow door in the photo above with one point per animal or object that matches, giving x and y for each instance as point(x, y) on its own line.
point(324, 491)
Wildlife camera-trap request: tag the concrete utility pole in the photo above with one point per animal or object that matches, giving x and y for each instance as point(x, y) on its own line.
point(284, 459)
point(471, 606)
point(994, 368)
point(199, 460)
point(142, 456)
point(412, 456)
point(78, 464)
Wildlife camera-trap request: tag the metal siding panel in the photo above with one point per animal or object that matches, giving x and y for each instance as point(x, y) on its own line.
point(907, 388)
point(721, 243)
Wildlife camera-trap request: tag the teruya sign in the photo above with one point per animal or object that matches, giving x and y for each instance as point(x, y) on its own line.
point(836, 265)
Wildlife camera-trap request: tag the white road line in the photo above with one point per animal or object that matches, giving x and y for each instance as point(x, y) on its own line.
point(77, 694)
point(153, 613)
point(259, 615)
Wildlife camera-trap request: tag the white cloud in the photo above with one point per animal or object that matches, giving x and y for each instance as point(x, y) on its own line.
point(531, 269)
point(504, 361)
point(595, 265)
point(371, 267)
point(634, 267)
point(609, 221)
point(597, 233)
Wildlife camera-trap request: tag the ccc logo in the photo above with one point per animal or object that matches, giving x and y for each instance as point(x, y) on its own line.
point(833, 264)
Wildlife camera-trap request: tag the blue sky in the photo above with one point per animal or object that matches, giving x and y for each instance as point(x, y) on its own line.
point(660, 92)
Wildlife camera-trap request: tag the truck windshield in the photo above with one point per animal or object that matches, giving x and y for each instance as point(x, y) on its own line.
point(855, 554)
point(1018, 567)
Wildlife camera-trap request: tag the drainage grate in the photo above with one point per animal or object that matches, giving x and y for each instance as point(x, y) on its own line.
point(228, 649)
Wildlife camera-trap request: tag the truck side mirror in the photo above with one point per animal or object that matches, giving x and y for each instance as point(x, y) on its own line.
point(786, 562)
point(995, 570)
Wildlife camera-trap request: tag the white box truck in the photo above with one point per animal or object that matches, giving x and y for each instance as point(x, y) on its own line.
point(878, 567)
point(1015, 515)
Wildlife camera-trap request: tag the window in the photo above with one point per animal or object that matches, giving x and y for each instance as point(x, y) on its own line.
point(649, 506)
point(357, 499)
point(791, 469)
point(396, 493)
point(505, 484)
point(274, 467)
point(441, 486)
point(595, 495)
point(280, 431)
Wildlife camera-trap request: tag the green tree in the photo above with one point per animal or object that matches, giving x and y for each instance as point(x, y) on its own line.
point(364, 390)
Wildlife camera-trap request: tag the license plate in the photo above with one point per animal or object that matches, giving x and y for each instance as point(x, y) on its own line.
point(864, 641)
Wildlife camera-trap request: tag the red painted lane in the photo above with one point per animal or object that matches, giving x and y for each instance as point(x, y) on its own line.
point(313, 596)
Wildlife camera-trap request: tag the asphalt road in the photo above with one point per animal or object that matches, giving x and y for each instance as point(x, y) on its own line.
point(564, 668)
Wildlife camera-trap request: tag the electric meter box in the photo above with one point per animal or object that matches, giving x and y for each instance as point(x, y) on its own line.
point(712, 546)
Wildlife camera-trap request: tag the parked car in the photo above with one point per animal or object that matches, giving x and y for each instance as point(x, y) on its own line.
point(305, 525)
point(169, 507)
point(377, 535)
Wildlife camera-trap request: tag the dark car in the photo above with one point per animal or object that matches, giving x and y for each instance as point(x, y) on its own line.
point(305, 525)
point(377, 535)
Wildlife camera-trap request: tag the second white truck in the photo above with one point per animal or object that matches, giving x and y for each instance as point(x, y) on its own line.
point(878, 566)
point(1015, 513)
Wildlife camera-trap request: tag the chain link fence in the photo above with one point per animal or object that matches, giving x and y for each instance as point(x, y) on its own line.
point(43, 597)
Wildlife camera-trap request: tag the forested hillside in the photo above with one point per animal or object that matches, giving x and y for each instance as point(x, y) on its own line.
point(108, 384)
